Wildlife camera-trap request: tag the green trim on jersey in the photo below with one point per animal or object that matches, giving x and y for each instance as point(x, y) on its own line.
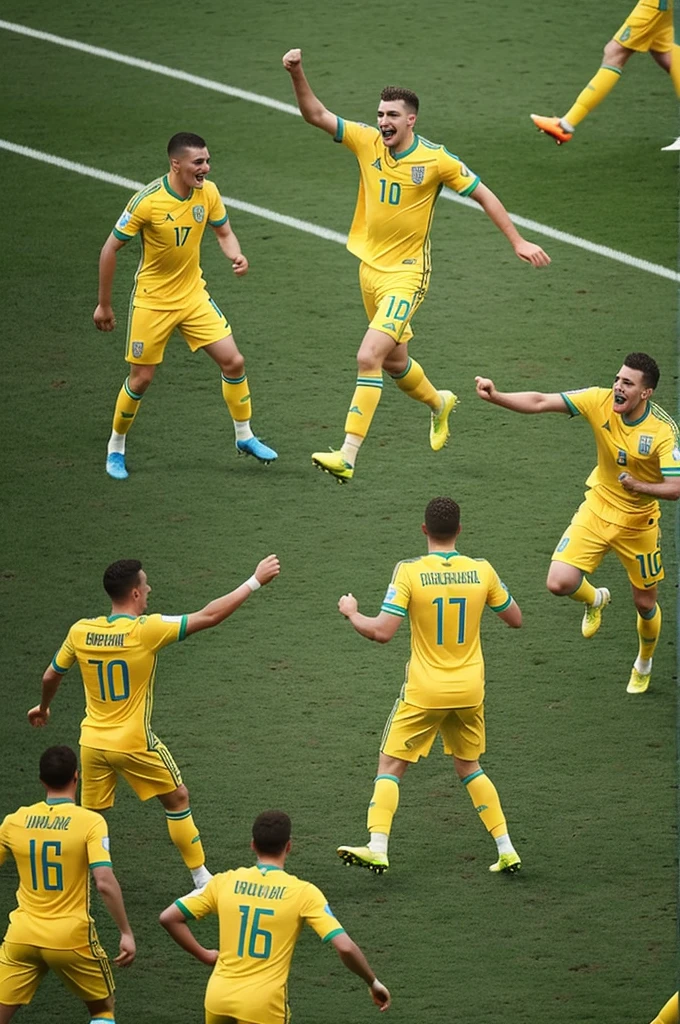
point(411, 148)
point(58, 668)
point(101, 864)
point(470, 189)
point(121, 615)
point(52, 800)
point(182, 628)
point(339, 131)
point(502, 607)
point(149, 190)
point(332, 935)
point(219, 223)
point(634, 423)
point(393, 609)
point(187, 913)
point(444, 554)
point(182, 199)
point(120, 236)
point(571, 408)
point(268, 867)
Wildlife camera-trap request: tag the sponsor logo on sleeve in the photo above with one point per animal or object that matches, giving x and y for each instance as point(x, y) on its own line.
point(675, 455)
point(106, 843)
point(391, 594)
point(124, 219)
point(171, 618)
point(327, 910)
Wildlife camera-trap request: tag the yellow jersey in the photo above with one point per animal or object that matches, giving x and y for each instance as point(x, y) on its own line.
point(261, 911)
point(397, 193)
point(171, 230)
point(444, 595)
point(117, 659)
point(54, 843)
point(648, 448)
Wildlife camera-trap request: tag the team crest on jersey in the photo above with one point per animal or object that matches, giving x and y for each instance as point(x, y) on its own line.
point(199, 213)
point(621, 458)
point(137, 348)
point(418, 174)
point(645, 444)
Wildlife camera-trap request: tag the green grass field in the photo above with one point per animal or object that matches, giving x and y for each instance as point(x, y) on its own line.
point(284, 705)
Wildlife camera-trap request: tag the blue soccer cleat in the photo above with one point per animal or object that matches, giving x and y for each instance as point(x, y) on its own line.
point(115, 466)
point(253, 446)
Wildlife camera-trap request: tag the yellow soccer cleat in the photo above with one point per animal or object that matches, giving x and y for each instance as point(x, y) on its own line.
point(508, 862)
point(638, 683)
point(439, 422)
point(552, 126)
point(364, 857)
point(334, 463)
point(592, 616)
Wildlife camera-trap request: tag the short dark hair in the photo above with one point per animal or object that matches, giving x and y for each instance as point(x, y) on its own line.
point(185, 140)
point(58, 766)
point(121, 577)
point(395, 92)
point(650, 370)
point(271, 832)
point(442, 518)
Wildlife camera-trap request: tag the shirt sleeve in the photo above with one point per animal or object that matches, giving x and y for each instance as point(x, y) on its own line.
point(4, 846)
point(202, 904)
point(156, 631)
point(65, 656)
point(456, 175)
point(668, 453)
point(133, 218)
point(398, 593)
point(217, 213)
point(498, 597)
point(582, 401)
point(356, 136)
point(318, 915)
point(98, 849)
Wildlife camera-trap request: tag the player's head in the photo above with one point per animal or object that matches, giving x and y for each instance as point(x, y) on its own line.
point(442, 520)
point(634, 384)
point(125, 582)
point(58, 768)
point(189, 159)
point(397, 113)
point(271, 834)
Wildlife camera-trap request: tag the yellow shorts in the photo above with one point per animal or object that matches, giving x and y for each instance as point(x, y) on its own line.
point(86, 972)
point(588, 538)
point(219, 1018)
point(391, 298)
point(237, 1002)
point(647, 29)
point(410, 731)
point(149, 772)
point(149, 330)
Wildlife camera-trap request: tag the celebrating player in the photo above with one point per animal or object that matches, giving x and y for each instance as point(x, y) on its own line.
point(117, 658)
point(647, 29)
point(638, 461)
point(170, 215)
point(55, 844)
point(261, 911)
point(401, 177)
point(443, 594)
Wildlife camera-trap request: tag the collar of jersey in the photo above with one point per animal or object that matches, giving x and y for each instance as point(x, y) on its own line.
point(51, 800)
point(182, 199)
point(445, 554)
point(407, 152)
point(121, 615)
point(268, 867)
point(634, 423)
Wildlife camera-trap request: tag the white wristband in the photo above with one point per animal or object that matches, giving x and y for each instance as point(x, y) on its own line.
point(253, 583)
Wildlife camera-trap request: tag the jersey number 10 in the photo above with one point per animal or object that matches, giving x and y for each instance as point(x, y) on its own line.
point(117, 679)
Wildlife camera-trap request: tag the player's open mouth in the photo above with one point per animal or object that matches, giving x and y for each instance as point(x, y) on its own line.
point(388, 133)
point(619, 399)
point(200, 178)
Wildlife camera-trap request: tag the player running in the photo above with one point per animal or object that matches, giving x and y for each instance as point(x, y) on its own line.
point(443, 594)
point(401, 176)
point(117, 657)
point(56, 845)
point(170, 216)
point(638, 461)
point(261, 911)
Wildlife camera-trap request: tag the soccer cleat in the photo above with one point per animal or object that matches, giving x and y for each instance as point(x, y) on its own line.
point(364, 857)
point(334, 463)
point(592, 616)
point(253, 446)
point(552, 126)
point(508, 862)
point(115, 466)
point(638, 683)
point(674, 146)
point(439, 422)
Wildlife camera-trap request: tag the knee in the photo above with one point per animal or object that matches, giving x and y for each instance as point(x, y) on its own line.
point(140, 378)
point(368, 362)
point(614, 54)
point(234, 366)
point(644, 602)
point(177, 800)
point(559, 586)
point(465, 768)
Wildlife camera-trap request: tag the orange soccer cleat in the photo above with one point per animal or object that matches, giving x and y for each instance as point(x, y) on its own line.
point(552, 126)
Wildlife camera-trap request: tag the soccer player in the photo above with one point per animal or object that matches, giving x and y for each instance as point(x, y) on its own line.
point(261, 911)
point(647, 29)
point(117, 658)
point(401, 176)
point(170, 215)
point(669, 1014)
point(56, 844)
point(443, 594)
point(638, 462)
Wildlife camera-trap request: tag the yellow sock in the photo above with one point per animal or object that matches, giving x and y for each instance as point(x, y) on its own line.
point(103, 1017)
point(127, 405)
point(585, 592)
point(236, 394)
point(364, 403)
point(670, 1014)
point(415, 384)
point(384, 803)
point(649, 630)
point(595, 91)
point(186, 838)
point(486, 802)
point(675, 73)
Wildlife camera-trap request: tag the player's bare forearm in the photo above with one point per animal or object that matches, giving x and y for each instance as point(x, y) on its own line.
point(311, 107)
point(222, 607)
point(380, 628)
point(109, 889)
point(40, 714)
point(173, 921)
point(512, 616)
point(354, 960)
point(103, 316)
point(668, 490)
point(229, 244)
point(520, 401)
point(498, 215)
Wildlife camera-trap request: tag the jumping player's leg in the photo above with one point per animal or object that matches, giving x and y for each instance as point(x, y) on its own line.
point(639, 551)
point(184, 834)
point(580, 550)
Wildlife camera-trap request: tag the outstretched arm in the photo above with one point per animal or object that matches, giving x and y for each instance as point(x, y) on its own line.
point(221, 608)
point(380, 628)
point(311, 108)
point(520, 401)
point(355, 961)
point(229, 245)
point(103, 316)
point(496, 212)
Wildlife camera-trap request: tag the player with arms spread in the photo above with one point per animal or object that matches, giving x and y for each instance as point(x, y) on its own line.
point(56, 845)
point(401, 176)
point(170, 215)
point(261, 911)
point(443, 594)
point(117, 657)
point(638, 462)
